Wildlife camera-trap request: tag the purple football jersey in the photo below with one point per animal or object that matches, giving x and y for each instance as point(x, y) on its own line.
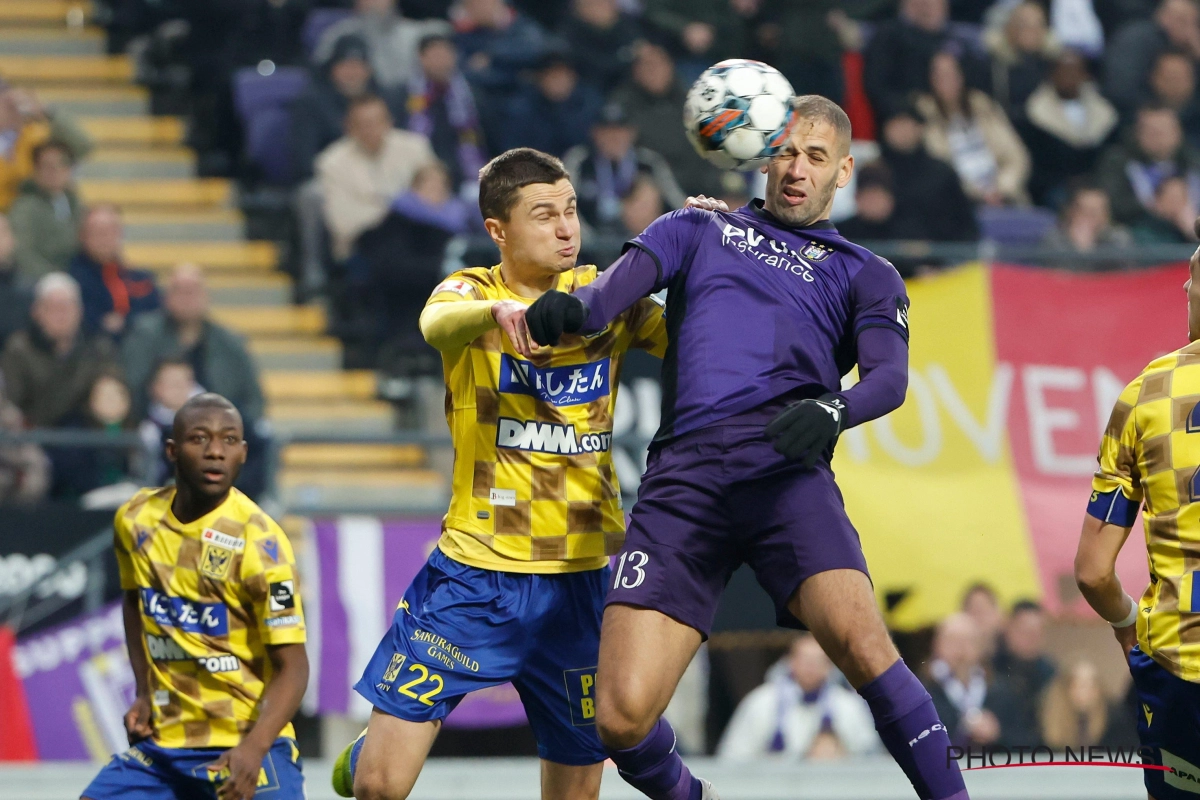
point(757, 309)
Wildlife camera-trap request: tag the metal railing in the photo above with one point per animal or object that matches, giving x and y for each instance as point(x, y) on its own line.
point(33, 604)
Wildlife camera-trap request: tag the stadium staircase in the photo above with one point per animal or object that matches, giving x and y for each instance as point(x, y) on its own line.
point(141, 164)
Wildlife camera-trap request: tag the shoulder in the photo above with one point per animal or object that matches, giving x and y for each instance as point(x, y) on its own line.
point(582, 276)
point(860, 260)
point(146, 498)
point(19, 343)
point(681, 219)
point(244, 511)
point(472, 283)
point(404, 142)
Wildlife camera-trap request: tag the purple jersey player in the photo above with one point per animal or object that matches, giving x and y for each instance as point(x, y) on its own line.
point(768, 307)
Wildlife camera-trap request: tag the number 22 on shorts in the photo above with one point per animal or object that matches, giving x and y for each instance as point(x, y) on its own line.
point(406, 689)
point(635, 560)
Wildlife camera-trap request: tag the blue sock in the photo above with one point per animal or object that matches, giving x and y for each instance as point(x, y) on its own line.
point(654, 767)
point(913, 734)
point(355, 752)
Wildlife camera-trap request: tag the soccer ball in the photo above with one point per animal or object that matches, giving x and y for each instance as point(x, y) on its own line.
point(738, 113)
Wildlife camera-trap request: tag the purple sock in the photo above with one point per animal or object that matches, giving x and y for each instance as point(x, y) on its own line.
point(654, 767)
point(913, 734)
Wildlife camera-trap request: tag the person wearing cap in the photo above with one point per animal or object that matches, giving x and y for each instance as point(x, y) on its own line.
point(391, 40)
point(605, 170)
point(555, 112)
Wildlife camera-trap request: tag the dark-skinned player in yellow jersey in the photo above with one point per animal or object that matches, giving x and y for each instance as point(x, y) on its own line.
point(214, 628)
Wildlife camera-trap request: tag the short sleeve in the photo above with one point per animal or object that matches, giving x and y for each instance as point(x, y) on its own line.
point(123, 548)
point(671, 240)
point(647, 323)
point(1116, 487)
point(879, 298)
point(272, 587)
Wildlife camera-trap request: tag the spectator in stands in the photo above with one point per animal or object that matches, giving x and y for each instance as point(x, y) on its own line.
point(969, 130)
point(600, 37)
point(930, 202)
point(495, 43)
point(172, 385)
point(24, 124)
point(875, 204)
point(1085, 223)
point(319, 113)
point(361, 173)
point(1022, 671)
point(1131, 53)
point(49, 368)
point(801, 711)
point(184, 330)
point(78, 470)
point(1170, 217)
point(24, 468)
point(442, 107)
point(896, 61)
point(15, 297)
point(553, 113)
point(700, 32)
point(271, 30)
point(805, 41)
point(983, 607)
point(1023, 51)
point(1130, 172)
point(1173, 84)
point(1066, 124)
point(640, 206)
point(1076, 711)
point(112, 292)
point(959, 684)
point(403, 257)
point(46, 215)
point(391, 40)
point(652, 100)
point(604, 171)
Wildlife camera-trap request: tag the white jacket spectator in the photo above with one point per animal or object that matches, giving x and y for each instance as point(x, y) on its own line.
point(392, 40)
point(801, 711)
point(361, 173)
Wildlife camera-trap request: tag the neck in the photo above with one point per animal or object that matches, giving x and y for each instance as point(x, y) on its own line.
point(189, 506)
point(527, 281)
point(962, 672)
point(190, 332)
point(64, 345)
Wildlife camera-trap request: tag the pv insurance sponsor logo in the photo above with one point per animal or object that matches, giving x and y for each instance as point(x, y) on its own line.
point(549, 437)
point(571, 385)
point(210, 619)
point(768, 251)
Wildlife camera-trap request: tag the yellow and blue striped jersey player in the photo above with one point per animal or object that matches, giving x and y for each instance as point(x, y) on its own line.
point(515, 588)
point(214, 628)
point(1150, 458)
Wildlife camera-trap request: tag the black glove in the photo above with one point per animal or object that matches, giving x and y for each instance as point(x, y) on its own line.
point(807, 428)
point(554, 314)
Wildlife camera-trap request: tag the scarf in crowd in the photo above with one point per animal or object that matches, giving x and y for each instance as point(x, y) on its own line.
point(788, 695)
point(460, 108)
point(966, 697)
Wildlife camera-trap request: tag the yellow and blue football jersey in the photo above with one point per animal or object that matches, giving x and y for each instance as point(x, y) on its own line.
point(214, 593)
point(534, 485)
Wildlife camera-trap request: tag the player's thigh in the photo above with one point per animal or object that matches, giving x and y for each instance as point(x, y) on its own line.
point(393, 753)
point(134, 775)
point(643, 654)
point(1168, 728)
point(839, 607)
point(557, 682)
point(568, 782)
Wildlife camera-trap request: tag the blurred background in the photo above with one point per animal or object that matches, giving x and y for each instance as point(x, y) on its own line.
point(255, 197)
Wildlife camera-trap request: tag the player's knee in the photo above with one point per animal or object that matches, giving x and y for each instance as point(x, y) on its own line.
point(380, 783)
point(620, 723)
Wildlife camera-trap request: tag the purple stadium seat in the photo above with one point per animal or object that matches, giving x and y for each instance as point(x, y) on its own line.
point(1015, 226)
point(320, 20)
point(262, 102)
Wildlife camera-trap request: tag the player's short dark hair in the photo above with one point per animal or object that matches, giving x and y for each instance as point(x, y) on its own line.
point(1023, 606)
point(817, 108)
point(53, 145)
point(505, 175)
point(206, 400)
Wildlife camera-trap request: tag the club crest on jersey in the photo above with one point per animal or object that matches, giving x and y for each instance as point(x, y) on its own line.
point(214, 562)
point(815, 251)
point(572, 385)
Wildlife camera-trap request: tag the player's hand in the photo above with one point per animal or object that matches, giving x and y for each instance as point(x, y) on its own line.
point(807, 428)
point(137, 720)
point(706, 203)
point(1127, 638)
point(244, 763)
point(510, 316)
point(554, 314)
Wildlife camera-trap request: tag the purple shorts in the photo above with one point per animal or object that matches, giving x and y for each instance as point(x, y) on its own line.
point(719, 497)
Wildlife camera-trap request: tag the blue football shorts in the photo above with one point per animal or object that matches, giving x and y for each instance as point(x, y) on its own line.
point(1168, 727)
point(461, 628)
point(148, 772)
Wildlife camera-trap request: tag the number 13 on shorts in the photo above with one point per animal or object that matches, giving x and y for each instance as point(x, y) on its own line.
point(630, 571)
point(581, 694)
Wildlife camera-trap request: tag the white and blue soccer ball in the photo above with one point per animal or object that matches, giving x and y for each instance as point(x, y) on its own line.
point(738, 113)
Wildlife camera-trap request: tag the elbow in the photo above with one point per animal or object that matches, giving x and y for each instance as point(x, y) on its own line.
point(1090, 576)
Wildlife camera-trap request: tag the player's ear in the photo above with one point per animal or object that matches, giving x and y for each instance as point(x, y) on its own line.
point(845, 170)
point(495, 229)
point(170, 449)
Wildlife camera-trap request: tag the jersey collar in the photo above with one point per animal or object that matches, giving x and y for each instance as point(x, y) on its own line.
point(758, 208)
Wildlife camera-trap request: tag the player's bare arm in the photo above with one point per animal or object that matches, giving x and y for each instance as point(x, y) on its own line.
point(279, 704)
point(137, 718)
point(1096, 576)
